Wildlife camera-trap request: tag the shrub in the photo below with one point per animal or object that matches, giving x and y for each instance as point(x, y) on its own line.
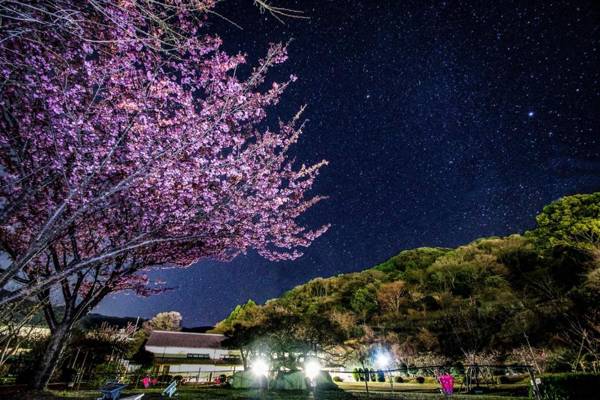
point(570, 386)
point(505, 379)
point(68, 374)
point(31, 360)
point(403, 368)
point(104, 372)
point(558, 362)
point(362, 376)
point(339, 378)
point(356, 375)
point(420, 379)
point(373, 375)
point(457, 369)
point(380, 376)
point(398, 379)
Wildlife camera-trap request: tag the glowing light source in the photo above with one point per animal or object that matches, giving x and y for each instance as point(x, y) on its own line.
point(260, 367)
point(312, 369)
point(382, 360)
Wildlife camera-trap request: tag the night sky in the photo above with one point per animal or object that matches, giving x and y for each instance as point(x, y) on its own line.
point(442, 121)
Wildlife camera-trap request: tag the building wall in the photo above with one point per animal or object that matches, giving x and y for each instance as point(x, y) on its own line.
point(195, 373)
point(206, 371)
point(215, 354)
point(175, 368)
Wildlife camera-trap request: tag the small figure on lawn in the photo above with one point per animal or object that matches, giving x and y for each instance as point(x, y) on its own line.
point(447, 382)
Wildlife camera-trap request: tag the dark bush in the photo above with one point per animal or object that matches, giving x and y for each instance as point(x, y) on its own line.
point(338, 379)
point(505, 379)
point(420, 379)
point(361, 375)
point(68, 374)
point(457, 369)
point(398, 379)
point(559, 363)
point(403, 368)
point(28, 365)
point(103, 373)
point(373, 375)
point(380, 376)
point(570, 386)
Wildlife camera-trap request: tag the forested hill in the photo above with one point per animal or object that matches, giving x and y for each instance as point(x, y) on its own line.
point(92, 320)
point(531, 297)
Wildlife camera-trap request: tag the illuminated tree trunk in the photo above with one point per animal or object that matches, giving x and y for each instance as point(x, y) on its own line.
point(58, 339)
point(61, 330)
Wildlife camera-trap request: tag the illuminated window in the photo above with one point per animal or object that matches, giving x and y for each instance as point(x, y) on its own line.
point(201, 356)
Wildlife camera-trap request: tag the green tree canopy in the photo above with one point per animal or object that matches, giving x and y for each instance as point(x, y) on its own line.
point(572, 221)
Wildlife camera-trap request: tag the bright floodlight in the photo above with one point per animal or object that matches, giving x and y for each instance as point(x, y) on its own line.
point(312, 369)
point(382, 360)
point(260, 367)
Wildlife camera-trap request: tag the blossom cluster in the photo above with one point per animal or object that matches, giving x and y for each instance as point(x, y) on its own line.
point(123, 149)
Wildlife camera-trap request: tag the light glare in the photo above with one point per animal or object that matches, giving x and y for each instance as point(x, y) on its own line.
point(312, 369)
point(382, 360)
point(260, 367)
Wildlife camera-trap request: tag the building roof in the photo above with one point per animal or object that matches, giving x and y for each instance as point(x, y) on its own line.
point(185, 339)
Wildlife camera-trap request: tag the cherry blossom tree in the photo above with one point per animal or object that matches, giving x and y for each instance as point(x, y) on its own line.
point(131, 141)
point(163, 321)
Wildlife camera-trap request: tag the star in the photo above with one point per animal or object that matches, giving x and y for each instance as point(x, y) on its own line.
point(447, 132)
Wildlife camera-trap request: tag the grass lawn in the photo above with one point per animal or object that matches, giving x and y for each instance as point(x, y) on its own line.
point(346, 392)
point(518, 389)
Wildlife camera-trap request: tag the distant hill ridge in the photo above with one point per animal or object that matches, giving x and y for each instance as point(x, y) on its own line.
point(495, 299)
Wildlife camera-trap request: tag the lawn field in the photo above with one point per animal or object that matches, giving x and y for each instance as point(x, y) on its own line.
point(345, 392)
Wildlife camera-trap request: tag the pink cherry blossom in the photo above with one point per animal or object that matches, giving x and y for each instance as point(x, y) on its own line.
point(125, 149)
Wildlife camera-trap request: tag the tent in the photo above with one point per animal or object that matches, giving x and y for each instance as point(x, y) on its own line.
point(293, 380)
point(244, 380)
point(324, 381)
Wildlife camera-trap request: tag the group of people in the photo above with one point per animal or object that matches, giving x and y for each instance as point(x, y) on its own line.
point(147, 381)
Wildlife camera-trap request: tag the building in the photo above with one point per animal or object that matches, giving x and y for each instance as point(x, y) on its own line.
point(196, 357)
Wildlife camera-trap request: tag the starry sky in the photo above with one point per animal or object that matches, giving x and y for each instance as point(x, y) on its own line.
point(443, 122)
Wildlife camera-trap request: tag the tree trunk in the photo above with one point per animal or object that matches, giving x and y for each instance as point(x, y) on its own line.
point(244, 358)
point(58, 339)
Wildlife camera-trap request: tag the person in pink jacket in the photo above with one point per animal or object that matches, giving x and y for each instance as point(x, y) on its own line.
point(146, 382)
point(447, 382)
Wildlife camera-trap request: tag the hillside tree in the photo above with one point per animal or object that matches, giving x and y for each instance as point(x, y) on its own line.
point(572, 221)
point(164, 321)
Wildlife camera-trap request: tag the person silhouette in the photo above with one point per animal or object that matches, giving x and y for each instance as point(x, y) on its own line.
point(447, 382)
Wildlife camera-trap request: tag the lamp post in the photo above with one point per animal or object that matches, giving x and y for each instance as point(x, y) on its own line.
point(383, 361)
point(260, 369)
point(312, 368)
